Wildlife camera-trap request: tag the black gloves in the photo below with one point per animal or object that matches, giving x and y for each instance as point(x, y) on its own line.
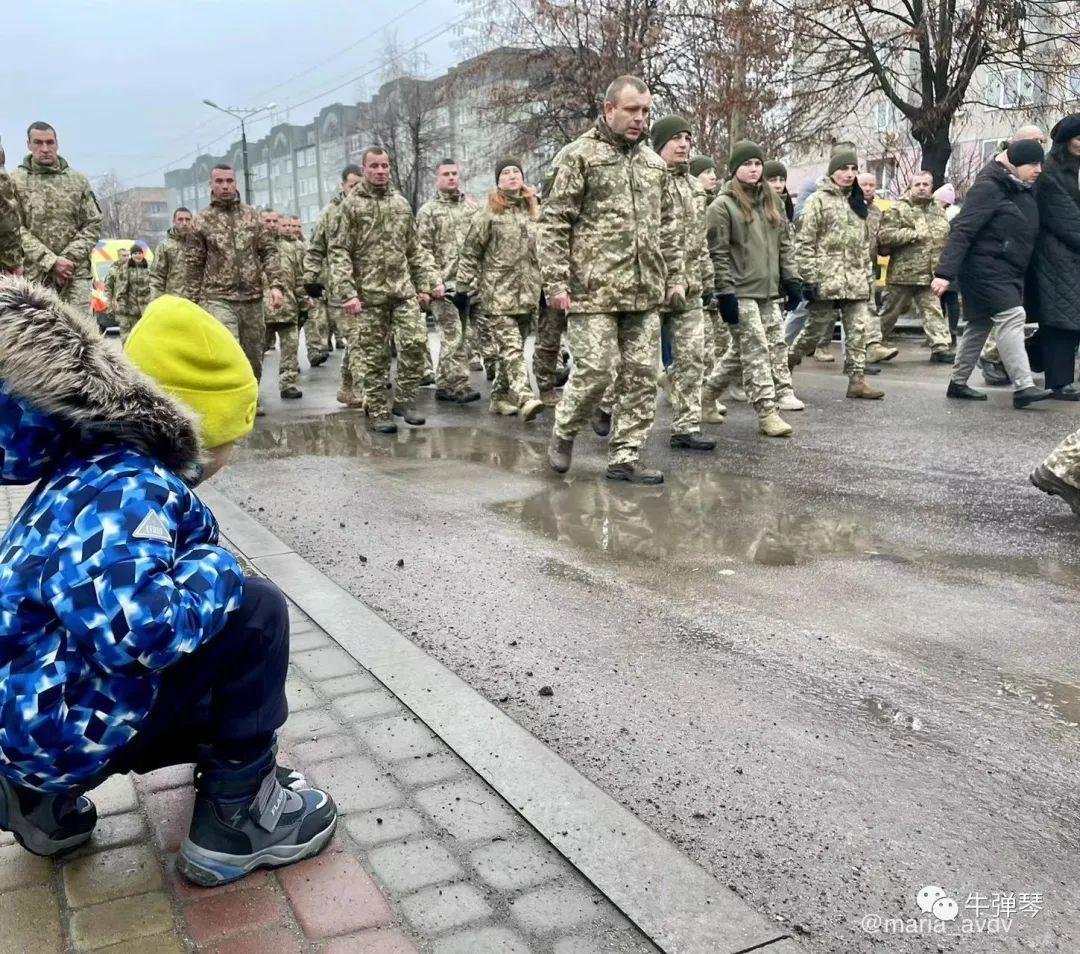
point(460, 300)
point(794, 291)
point(810, 291)
point(729, 308)
point(314, 289)
point(708, 300)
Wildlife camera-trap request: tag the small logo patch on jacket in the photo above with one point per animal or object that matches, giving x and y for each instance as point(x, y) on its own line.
point(152, 528)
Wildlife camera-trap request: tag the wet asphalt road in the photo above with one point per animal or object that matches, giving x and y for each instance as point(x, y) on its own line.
point(833, 669)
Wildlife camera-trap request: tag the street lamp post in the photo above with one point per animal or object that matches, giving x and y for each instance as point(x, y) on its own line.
point(243, 113)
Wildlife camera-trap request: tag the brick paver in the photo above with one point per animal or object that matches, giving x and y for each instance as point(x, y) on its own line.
point(427, 859)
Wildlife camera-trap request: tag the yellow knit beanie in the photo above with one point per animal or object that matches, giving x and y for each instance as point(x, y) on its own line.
point(192, 356)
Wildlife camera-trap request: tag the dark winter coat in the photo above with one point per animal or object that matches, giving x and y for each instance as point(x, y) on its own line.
point(111, 572)
point(1054, 278)
point(991, 243)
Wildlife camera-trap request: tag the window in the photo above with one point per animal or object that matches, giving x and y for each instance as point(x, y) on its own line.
point(259, 170)
point(305, 157)
point(886, 116)
point(1009, 89)
point(990, 148)
point(307, 187)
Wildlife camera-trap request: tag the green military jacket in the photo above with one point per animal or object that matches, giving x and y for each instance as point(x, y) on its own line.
point(441, 225)
point(690, 219)
point(130, 288)
point(498, 262)
point(290, 255)
point(373, 250)
point(832, 246)
point(60, 217)
point(170, 265)
point(316, 266)
point(228, 252)
point(913, 234)
point(609, 234)
point(11, 251)
point(749, 259)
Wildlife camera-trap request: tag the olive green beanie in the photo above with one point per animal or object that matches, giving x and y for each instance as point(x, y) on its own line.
point(774, 168)
point(743, 151)
point(842, 156)
point(700, 164)
point(666, 129)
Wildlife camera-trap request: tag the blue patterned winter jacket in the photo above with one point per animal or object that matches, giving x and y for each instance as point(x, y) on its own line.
point(111, 571)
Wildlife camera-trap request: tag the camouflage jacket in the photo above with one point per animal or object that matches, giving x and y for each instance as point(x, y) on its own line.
point(441, 225)
point(130, 288)
point(750, 259)
point(11, 252)
point(498, 262)
point(373, 249)
point(874, 214)
point(315, 262)
point(690, 219)
point(228, 251)
point(913, 234)
point(609, 234)
point(169, 266)
point(290, 255)
point(60, 217)
point(832, 247)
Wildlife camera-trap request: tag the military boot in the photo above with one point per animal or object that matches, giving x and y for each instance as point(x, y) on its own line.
point(793, 360)
point(409, 413)
point(503, 407)
point(1050, 483)
point(320, 359)
point(601, 422)
point(475, 364)
point(738, 393)
point(877, 352)
point(382, 425)
point(771, 424)
point(560, 453)
point(562, 375)
point(712, 411)
point(634, 474)
point(789, 402)
point(942, 357)
point(858, 388)
point(549, 397)
point(692, 441)
point(346, 396)
point(822, 354)
point(467, 396)
point(291, 393)
point(530, 408)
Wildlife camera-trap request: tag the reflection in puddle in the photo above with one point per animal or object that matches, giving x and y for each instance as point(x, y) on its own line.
point(1059, 698)
point(888, 714)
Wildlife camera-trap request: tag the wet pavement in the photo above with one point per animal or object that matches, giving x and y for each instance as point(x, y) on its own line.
point(833, 669)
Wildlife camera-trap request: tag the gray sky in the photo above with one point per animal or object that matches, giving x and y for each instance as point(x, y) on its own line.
point(123, 83)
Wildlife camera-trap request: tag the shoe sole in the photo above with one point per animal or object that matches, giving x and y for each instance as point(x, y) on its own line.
point(31, 838)
point(533, 413)
point(211, 868)
point(1052, 491)
point(1029, 401)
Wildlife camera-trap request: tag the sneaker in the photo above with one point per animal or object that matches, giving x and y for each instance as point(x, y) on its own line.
point(876, 353)
point(232, 836)
point(1026, 396)
point(45, 824)
point(821, 353)
point(382, 425)
point(409, 413)
point(633, 474)
point(601, 422)
point(693, 441)
point(942, 357)
point(788, 402)
point(503, 408)
point(530, 409)
point(773, 425)
point(560, 453)
point(963, 392)
point(1050, 483)
point(858, 388)
point(738, 393)
point(291, 393)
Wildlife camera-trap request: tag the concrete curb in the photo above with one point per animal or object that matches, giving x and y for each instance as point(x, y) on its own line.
point(682, 908)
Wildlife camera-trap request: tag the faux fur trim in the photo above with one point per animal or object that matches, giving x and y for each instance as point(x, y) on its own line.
point(58, 361)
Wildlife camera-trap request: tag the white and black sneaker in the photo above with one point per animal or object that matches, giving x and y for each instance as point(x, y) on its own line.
point(46, 824)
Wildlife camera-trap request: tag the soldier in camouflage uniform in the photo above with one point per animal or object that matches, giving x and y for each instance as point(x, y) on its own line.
point(498, 264)
point(379, 269)
point(671, 138)
point(753, 258)
point(169, 267)
point(1059, 474)
point(284, 320)
point(833, 259)
point(913, 234)
point(130, 290)
point(441, 225)
point(61, 219)
point(717, 336)
point(11, 252)
point(329, 313)
point(611, 254)
point(228, 252)
point(113, 275)
point(275, 225)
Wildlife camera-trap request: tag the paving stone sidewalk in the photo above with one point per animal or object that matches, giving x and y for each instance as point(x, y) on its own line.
point(427, 857)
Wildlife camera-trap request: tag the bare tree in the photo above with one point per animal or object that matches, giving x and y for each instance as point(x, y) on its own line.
point(121, 213)
point(922, 57)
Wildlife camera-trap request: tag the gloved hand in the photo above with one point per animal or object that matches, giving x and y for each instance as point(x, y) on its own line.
point(810, 291)
point(460, 300)
point(708, 300)
point(314, 289)
point(729, 308)
point(794, 291)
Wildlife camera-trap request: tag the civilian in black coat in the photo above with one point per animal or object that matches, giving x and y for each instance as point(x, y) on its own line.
point(1053, 288)
point(988, 252)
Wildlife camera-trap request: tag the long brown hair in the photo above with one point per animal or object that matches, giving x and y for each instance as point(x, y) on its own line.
point(746, 206)
point(498, 203)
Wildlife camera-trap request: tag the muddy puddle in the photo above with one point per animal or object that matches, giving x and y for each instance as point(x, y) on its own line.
point(1060, 699)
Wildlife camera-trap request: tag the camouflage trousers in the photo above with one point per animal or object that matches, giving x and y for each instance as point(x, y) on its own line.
point(404, 322)
point(317, 332)
point(759, 352)
point(990, 349)
point(855, 315)
point(126, 323)
point(898, 299)
point(288, 336)
point(453, 371)
point(687, 369)
point(1064, 460)
point(246, 323)
point(76, 293)
point(508, 333)
point(717, 340)
point(550, 327)
point(622, 346)
point(352, 362)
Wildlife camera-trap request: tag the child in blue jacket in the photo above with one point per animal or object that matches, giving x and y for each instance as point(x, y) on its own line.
point(129, 639)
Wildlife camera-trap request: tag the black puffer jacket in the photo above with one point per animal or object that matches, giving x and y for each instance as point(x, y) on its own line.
point(991, 243)
point(1053, 292)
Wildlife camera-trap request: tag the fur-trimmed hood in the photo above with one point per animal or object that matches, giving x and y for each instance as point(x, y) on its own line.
point(67, 382)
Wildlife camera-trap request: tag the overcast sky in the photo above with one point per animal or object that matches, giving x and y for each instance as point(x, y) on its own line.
point(123, 83)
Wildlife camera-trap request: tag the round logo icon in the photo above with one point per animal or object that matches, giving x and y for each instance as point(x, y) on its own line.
point(928, 897)
point(945, 909)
